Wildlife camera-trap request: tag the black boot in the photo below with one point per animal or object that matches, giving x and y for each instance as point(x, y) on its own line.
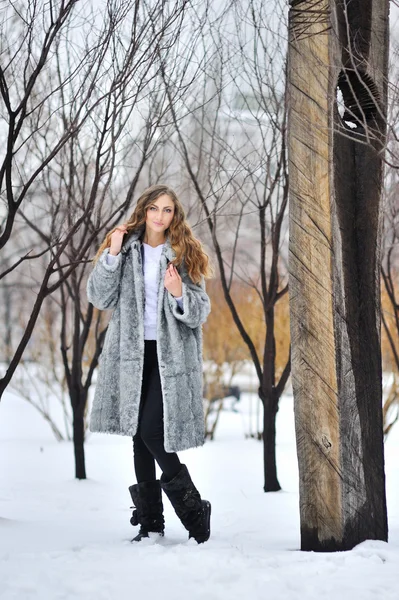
point(193, 512)
point(148, 514)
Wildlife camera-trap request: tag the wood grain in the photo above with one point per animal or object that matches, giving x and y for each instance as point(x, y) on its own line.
point(334, 273)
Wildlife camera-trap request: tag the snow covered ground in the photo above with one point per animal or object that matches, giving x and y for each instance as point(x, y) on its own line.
point(67, 539)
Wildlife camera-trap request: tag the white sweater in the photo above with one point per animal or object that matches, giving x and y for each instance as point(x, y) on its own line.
point(151, 270)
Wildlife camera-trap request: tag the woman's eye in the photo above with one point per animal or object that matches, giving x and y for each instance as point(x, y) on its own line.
point(168, 210)
point(153, 208)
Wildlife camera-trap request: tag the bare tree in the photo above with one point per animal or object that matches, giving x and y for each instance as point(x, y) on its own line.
point(390, 278)
point(390, 248)
point(337, 48)
point(67, 88)
point(89, 137)
point(79, 324)
point(231, 138)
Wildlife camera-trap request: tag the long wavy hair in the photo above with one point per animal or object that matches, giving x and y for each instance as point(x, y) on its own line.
point(187, 247)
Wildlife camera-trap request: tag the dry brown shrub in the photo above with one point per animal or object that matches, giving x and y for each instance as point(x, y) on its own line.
point(222, 340)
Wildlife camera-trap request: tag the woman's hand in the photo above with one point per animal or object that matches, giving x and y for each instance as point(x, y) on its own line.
point(117, 239)
point(173, 282)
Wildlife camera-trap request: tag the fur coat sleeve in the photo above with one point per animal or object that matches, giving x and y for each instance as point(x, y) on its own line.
point(103, 282)
point(196, 303)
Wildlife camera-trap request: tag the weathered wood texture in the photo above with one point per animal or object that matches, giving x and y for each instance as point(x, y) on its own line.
point(334, 262)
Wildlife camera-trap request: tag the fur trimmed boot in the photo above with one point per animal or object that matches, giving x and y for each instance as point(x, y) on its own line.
point(193, 512)
point(148, 513)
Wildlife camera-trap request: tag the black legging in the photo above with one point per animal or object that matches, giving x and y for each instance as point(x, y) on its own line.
point(148, 443)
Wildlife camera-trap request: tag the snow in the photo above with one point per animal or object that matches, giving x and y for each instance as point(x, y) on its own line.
point(67, 539)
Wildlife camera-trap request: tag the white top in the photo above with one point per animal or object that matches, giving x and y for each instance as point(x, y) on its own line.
point(151, 271)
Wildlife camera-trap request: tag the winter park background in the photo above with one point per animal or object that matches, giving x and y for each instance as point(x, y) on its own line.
point(200, 104)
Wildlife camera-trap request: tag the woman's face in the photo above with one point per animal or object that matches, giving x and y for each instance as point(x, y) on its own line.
point(160, 214)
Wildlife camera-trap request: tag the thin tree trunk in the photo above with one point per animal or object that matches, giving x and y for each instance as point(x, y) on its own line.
point(335, 230)
point(270, 407)
point(78, 443)
point(270, 401)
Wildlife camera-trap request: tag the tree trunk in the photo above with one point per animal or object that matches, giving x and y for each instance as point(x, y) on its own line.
point(78, 443)
point(270, 408)
point(78, 402)
point(270, 399)
point(334, 261)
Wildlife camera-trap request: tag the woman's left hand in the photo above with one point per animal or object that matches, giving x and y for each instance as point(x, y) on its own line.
point(173, 282)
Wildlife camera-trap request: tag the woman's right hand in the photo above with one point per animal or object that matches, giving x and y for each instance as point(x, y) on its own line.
point(117, 239)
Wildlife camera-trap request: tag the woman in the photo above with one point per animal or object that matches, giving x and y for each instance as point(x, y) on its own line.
point(151, 271)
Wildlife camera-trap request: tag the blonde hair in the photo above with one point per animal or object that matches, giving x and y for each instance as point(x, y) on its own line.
point(187, 247)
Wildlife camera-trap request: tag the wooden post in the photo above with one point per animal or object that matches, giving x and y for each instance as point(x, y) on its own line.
point(336, 174)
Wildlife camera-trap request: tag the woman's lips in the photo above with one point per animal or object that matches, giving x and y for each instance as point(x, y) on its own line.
point(159, 224)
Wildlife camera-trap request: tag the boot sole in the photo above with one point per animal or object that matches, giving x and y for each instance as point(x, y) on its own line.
point(154, 534)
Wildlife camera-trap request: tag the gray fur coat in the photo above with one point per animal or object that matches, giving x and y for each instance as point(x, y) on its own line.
point(120, 287)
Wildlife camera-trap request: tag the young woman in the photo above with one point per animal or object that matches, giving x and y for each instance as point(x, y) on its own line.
point(151, 272)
